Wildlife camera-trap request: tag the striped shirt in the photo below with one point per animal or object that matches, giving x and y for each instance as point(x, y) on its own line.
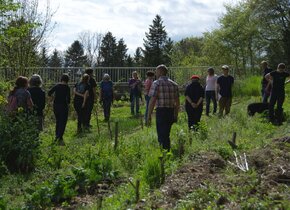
point(166, 92)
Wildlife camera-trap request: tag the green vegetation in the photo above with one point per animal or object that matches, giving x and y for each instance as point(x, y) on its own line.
point(90, 165)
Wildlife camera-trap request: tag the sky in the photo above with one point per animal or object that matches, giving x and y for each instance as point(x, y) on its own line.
point(130, 19)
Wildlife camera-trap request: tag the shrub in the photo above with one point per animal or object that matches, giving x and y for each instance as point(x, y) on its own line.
point(19, 141)
point(248, 87)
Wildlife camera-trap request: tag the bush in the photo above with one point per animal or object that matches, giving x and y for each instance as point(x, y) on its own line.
point(250, 86)
point(19, 141)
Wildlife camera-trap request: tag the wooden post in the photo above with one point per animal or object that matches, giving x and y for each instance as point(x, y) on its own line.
point(110, 130)
point(116, 135)
point(162, 168)
point(97, 118)
point(141, 121)
point(137, 190)
point(232, 143)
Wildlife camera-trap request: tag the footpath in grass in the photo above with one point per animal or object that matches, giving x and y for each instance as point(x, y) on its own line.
point(89, 172)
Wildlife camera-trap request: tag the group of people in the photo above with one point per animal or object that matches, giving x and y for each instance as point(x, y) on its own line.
point(163, 93)
point(29, 95)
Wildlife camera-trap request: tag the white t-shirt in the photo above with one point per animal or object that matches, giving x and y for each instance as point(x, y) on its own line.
point(211, 83)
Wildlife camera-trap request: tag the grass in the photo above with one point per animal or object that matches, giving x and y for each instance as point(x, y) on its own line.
point(136, 157)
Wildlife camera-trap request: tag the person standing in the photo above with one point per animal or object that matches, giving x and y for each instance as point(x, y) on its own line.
point(147, 85)
point(135, 92)
point(106, 95)
point(61, 103)
point(164, 93)
point(224, 89)
point(38, 98)
point(81, 92)
point(210, 90)
point(266, 86)
point(91, 97)
point(277, 79)
point(194, 94)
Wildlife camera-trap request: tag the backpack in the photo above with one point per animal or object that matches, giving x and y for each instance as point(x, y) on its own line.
point(12, 104)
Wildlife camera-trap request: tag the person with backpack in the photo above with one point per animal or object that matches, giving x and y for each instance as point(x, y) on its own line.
point(210, 90)
point(194, 94)
point(20, 97)
point(224, 91)
point(277, 79)
point(38, 98)
point(61, 102)
point(135, 92)
point(91, 98)
point(106, 95)
point(81, 93)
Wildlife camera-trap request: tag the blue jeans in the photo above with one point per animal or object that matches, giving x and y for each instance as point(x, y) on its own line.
point(134, 102)
point(147, 99)
point(164, 121)
point(61, 116)
point(107, 108)
point(265, 95)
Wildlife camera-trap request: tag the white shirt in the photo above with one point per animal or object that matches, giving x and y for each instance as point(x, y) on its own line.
point(211, 83)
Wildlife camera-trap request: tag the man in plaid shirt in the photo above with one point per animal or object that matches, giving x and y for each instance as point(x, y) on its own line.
point(164, 93)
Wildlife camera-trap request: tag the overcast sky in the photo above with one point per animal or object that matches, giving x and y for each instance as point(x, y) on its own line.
point(130, 19)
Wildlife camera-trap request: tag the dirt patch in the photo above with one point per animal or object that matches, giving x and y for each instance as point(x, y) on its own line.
point(272, 164)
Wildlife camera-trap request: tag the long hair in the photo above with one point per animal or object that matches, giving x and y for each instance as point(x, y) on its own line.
point(85, 78)
point(21, 82)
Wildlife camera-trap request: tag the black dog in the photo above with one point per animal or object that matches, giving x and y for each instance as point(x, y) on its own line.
point(257, 108)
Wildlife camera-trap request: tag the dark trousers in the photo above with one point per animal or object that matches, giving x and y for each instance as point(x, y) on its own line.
point(225, 104)
point(107, 108)
point(81, 113)
point(265, 94)
point(134, 103)
point(89, 109)
point(193, 115)
point(210, 95)
point(61, 116)
point(164, 121)
point(279, 99)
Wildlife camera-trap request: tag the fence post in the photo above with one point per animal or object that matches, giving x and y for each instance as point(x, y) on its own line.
point(116, 135)
point(110, 130)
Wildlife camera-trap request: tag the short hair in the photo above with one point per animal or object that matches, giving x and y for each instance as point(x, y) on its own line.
point(21, 82)
point(163, 68)
point(85, 78)
point(89, 71)
point(264, 62)
point(35, 80)
point(281, 66)
point(150, 73)
point(210, 70)
point(64, 78)
point(106, 77)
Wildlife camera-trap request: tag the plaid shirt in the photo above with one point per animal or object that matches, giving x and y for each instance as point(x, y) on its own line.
point(166, 92)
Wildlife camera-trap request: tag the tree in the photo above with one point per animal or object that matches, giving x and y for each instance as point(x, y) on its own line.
point(138, 58)
point(154, 44)
point(274, 26)
point(129, 61)
point(92, 44)
point(108, 50)
point(23, 31)
point(55, 59)
point(74, 55)
point(121, 53)
point(43, 58)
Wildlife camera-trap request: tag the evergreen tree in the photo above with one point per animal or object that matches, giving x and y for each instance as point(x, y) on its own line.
point(129, 61)
point(138, 58)
point(154, 44)
point(108, 50)
point(121, 53)
point(43, 58)
point(55, 59)
point(74, 56)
